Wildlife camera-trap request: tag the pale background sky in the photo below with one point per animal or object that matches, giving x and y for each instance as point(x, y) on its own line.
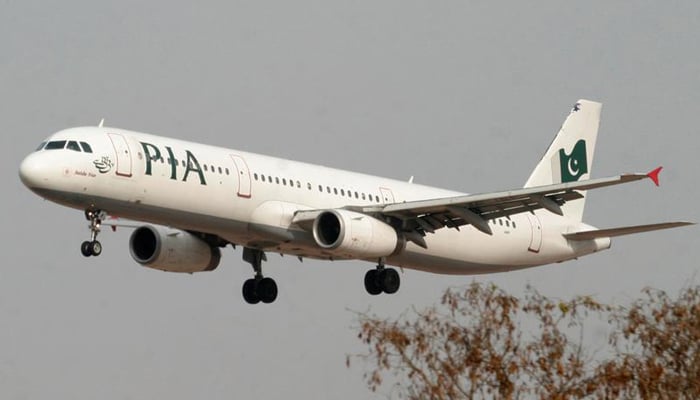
point(463, 95)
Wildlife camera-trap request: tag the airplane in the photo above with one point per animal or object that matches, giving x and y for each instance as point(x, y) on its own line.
point(190, 200)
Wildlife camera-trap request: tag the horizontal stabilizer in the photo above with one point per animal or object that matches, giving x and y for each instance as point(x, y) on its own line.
point(626, 230)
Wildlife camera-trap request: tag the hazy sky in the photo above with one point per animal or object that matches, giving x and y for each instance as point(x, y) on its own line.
point(463, 95)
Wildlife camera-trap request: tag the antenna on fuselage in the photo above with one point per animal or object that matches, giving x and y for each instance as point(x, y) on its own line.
point(102, 122)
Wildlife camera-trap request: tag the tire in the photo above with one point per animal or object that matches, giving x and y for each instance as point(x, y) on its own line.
point(372, 283)
point(267, 290)
point(250, 292)
point(85, 249)
point(96, 248)
point(390, 280)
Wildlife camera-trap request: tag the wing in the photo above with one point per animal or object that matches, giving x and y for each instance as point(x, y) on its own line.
point(626, 230)
point(419, 217)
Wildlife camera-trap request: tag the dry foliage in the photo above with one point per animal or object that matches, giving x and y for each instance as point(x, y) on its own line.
point(481, 342)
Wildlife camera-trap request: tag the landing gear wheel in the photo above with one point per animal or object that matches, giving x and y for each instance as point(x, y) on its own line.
point(92, 247)
point(250, 294)
point(267, 290)
point(259, 288)
point(95, 248)
point(389, 280)
point(372, 283)
point(85, 249)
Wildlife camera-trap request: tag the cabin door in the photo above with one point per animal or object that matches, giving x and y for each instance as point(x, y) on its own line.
point(243, 174)
point(536, 237)
point(121, 149)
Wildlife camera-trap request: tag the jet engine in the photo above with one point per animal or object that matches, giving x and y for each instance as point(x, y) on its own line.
point(172, 250)
point(355, 235)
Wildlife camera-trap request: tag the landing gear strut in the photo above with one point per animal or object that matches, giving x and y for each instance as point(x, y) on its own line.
point(92, 247)
point(259, 288)
point(382, 279)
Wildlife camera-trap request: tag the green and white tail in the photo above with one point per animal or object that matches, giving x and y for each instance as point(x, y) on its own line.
point(570, 156)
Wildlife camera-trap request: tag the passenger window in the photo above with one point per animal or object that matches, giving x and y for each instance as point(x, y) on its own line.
point(357, 196)
point(298, 185)
point(377, 197)
point(335, 190)
point(255, 175)
point(513, 224)
point(342, 192)
point(277, 180)
point(86, 147)
point(205, 167)
point(363, 196)
point(56, 145)
point(500, 222)
point(308, 186)
point(41, 146)
point(284, 182)
point(328, 189)
point(220, 171)
point(183, 163)
point(226, 171)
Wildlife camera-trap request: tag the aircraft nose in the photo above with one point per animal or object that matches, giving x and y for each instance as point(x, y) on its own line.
point(30, 171)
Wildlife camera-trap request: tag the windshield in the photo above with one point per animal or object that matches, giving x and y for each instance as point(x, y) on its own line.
point(55, 145)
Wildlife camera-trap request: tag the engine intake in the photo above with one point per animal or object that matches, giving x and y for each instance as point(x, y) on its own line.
point(172, 250)
point(355, 235)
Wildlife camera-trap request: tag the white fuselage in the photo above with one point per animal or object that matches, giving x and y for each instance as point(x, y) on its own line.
point(250, 199)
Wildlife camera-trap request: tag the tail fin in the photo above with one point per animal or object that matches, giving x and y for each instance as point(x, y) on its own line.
point(570, 156)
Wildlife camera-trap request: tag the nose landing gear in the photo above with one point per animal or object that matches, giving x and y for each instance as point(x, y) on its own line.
point(258, 288)
point(92, 247)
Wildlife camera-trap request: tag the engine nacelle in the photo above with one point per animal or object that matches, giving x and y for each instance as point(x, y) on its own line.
point(172, 250)
point(354, 235)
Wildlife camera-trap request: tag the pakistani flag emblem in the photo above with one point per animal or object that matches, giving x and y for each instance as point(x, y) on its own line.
point(573, 165)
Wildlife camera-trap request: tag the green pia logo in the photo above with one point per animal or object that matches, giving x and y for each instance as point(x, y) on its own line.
point(574, 165)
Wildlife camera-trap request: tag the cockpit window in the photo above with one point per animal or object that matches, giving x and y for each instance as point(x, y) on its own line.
point(86, 147)
point(41, 146)
point(55, 145)
point(72, 145)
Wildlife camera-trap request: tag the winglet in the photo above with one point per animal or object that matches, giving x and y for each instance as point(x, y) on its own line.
point(654, 175)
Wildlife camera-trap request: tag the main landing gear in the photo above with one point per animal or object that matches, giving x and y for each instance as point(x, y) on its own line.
point(259, 288)
point(381, 280)
point(92, 247)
